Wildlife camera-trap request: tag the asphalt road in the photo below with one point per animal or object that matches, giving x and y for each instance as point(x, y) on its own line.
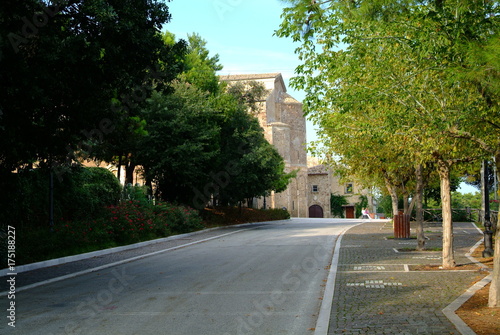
point(264, 280)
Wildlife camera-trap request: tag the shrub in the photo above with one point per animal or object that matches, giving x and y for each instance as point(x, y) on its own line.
point(125, 223)
point(79, 193)
point(133, 221)
point(336, 203)
point(136, 193)
point(277, 214)
point(181, 219)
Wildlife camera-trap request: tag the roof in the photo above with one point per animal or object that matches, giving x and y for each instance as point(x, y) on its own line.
point(288, 99)
point(256, 77)
point(317, 170)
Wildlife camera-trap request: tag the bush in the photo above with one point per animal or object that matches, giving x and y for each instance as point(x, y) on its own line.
point(336, 203)
point(125, 223)
point(277, 214)
point(136, 193)
point(223, 216)
point(180, 219)
point(79, 193)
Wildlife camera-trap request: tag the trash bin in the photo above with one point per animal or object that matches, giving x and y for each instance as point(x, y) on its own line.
point(402, 226)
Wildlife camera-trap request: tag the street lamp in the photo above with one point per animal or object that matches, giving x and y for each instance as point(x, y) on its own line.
point(488, 234)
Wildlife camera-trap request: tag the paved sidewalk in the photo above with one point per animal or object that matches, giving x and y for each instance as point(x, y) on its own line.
point(376, 291)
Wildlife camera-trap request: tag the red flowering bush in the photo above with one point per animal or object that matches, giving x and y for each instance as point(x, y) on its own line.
point(133, 221)
point(128, 222)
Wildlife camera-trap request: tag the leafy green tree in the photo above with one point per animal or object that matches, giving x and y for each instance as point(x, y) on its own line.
point(63, 64)
point(219, 151)
point(392, 59)
point(181, 143)
point(248, 166)
point(200, 68)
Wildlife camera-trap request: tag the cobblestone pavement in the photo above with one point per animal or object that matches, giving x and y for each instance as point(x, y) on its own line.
point(376, 291)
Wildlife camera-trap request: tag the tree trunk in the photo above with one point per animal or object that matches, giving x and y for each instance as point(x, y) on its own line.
point(444, 176)
point(250, 202)
point(411, 206)
point(494, 298)
point(405, 203)
point(394, 197)
point(149, 185)
point(417, 200)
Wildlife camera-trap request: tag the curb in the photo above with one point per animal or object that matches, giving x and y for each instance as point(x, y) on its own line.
point(449, 311)
point(323, 321)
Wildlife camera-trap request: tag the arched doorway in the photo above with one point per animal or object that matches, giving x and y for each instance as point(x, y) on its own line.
point(315, 211)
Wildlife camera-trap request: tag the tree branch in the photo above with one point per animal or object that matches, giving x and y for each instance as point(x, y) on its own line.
point(455, 133)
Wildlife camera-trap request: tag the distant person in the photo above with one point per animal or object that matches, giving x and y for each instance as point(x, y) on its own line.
point(365, 214)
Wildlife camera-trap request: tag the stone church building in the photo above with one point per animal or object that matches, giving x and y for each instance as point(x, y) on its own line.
point(284, 124)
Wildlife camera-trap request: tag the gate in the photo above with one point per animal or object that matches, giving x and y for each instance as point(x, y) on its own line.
point(315, 211)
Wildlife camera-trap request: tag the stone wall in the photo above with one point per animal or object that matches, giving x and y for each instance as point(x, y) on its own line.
point(319, 180)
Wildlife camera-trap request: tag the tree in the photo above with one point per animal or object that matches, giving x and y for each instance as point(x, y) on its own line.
point(252, 167)
point(181, 143)
point(392, 60)
point(63, 64)
point(200, 68)
point(201, 142)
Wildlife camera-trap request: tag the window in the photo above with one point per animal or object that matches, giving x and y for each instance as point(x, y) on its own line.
point(315, 188)
point(348, 188)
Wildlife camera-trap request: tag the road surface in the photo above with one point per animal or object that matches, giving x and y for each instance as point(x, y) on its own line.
point(267, 279)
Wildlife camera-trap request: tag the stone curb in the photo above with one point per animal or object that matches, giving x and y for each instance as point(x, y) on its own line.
point(323, 322)
point(449, 310)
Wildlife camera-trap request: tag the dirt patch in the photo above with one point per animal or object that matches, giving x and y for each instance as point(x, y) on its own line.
point(475, 312)
point(478, 316)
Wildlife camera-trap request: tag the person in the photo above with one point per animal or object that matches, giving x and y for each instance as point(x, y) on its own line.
point(364, 211)
point(367, 212)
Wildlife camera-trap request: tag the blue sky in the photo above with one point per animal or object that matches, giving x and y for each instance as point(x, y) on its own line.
point(241, 32)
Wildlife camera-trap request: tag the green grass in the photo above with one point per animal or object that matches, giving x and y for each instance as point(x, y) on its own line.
point(397, 238)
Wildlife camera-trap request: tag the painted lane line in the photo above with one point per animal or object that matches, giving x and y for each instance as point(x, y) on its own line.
point(76, 274)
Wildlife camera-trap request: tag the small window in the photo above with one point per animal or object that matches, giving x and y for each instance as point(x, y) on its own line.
point(315, 188)
point(348, 188)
